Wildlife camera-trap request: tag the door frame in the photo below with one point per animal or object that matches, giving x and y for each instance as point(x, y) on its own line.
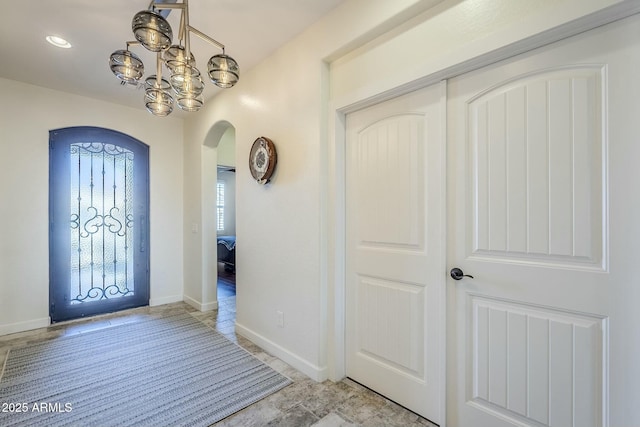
point(58, 266)
point(333, 225)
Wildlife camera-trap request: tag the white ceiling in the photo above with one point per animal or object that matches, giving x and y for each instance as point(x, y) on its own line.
point(250, 30)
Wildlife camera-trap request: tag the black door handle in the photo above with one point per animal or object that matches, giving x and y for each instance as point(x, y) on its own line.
point(457, 274)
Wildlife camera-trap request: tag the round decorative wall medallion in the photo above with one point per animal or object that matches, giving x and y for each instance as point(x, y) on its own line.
point(262, 159)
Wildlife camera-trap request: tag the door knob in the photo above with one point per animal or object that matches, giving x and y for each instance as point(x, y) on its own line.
point(457, 274)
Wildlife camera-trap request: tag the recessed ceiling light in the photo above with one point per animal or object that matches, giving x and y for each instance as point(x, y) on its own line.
point(58, 42)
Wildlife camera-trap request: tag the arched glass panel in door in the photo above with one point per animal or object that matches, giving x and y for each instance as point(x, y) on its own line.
point(98, 212)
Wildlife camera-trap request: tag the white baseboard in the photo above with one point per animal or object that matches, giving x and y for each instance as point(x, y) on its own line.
point(314, 372)
point(153, 302)
point(200, 306)
point(12, 328)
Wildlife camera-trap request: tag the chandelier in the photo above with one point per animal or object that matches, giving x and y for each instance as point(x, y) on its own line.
point(185, 83)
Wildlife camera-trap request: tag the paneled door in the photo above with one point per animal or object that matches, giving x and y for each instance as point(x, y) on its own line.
point(395, 249)
point(544, 214)
point(99, 227)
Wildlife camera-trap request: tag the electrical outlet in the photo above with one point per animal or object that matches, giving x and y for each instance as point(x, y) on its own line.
point(280, 316)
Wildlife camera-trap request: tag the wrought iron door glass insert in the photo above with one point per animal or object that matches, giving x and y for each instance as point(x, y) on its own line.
point(101, 227)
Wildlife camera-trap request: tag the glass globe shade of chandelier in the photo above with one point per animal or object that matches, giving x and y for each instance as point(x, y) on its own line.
point(223, 71)
point(176, 56)
point(126, 66)
point(152, 30)
point(190, 103)
point(157, 98)
point(188, 86)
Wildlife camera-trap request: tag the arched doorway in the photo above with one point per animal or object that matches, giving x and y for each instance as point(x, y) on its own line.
point(219, 218)
point(226, 215)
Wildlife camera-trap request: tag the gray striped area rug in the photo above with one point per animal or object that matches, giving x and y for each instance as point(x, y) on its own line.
point(172, 371)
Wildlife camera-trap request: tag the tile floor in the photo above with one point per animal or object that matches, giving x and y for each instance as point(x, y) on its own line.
point(303, 403)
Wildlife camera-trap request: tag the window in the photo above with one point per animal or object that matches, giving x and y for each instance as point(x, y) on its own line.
point(220, 206)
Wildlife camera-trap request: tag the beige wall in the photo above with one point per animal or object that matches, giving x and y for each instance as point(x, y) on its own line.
point(27, 113)
point(227, 148)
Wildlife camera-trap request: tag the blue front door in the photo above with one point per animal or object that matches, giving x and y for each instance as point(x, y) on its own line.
point(99, 222)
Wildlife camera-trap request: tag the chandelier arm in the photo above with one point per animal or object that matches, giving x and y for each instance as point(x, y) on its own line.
point(184, 24)
point(161, 6)
point(158, 70)
point(182, 32)
point(205, 37)
point(133, 43)
point(185, 21)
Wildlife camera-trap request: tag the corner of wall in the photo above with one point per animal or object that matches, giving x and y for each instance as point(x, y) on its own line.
point(316, 373)
point(200, 306)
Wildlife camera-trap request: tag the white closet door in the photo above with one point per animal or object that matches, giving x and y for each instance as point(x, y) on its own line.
point(544, 209)
point(395, 252)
